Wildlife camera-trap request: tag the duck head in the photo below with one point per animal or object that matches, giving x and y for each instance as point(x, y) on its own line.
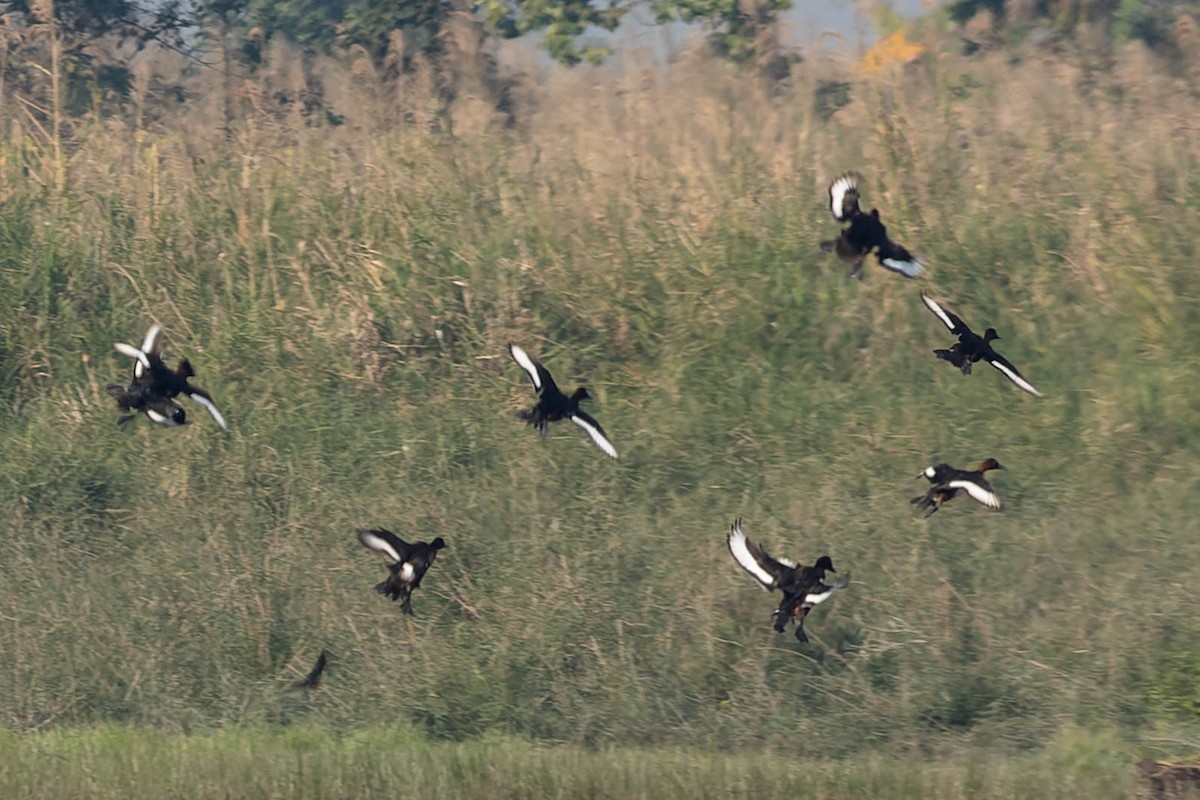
point(438, 543)
point(990, 464)
point(581, 394)
point(990, 335)
point(824, 564)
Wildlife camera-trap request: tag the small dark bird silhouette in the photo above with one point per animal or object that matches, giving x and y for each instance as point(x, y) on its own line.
point(313, 679)
point(155, 385)
point(864, 232)
point(803, 587)
point(949, 482)
point(972, 347)
point(553, 405)
point(410, 563)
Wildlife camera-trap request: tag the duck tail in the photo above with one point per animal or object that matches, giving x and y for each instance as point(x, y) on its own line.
point(925, 503)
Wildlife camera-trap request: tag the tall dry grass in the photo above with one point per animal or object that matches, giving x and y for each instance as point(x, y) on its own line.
point(346, 294)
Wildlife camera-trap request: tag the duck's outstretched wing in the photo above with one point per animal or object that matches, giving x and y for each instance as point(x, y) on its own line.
point(950, 320)
point(820, 593)
point(313, 679)
point(384, 541)
point(754, 559)
point(897, 258)
point(843, 196)
point(538, 375)
point(981, 491)
point(203, 398)
point(151, 345)
point(143, 360)
point(589, 424)
point(1004, 365)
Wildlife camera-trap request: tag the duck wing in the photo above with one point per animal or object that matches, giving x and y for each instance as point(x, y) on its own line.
point(143, 360)
point(313, 679)
point(950, 320)
point(538, 375)
point(385, 542)
point(205, 399)
point(820, 593)
point(897, 258)
point(755, 560)
point(589, 424)
point(980, 490)
point(151, 345)
point(843, 196)
point(1004, 365)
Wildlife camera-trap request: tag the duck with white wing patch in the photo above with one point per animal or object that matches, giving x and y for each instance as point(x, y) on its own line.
point(802, 587)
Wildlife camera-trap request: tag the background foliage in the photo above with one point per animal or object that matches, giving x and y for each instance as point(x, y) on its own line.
point(346, 293)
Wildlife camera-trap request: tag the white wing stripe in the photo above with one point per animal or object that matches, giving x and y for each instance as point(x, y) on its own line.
point(741, 554)
point(161, 419)
point(814, 599)
point(132, 352)
point(522, 358)
point(149, 345)
point(212, 409)
point(911, 269)
point(379, 544)
point(989, 499)
point(837, 194)
point(596, 435)
point(1015, 378)
point(936, 309)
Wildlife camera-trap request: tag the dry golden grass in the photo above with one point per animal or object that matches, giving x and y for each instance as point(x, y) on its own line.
point(346, 293)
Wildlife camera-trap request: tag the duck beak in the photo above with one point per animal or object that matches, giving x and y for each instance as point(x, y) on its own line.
point(1000, 466)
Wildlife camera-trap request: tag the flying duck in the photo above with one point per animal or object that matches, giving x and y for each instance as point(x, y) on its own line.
point(864, 232)
point(949, 482)
point(313, 679)
point(154, 382)
point(410, 562)
point(803, 587)
point(972, 347)
point(552, 405)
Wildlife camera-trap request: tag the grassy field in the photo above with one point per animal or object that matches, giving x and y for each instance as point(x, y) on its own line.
point(305, 762)
point(346, 294)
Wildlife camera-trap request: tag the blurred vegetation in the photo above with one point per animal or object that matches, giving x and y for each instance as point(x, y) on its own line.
point(303, 762)
point(346, 293)
point(1154, 23)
